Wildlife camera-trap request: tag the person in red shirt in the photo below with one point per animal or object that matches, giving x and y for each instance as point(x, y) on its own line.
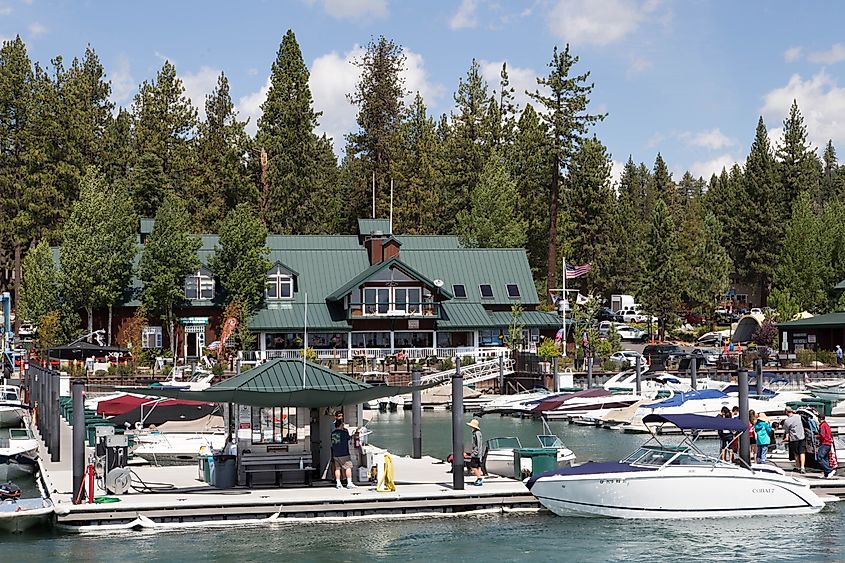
point(825, 439)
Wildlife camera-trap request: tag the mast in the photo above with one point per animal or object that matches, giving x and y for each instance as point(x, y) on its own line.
point(305, 343)
point(374, 194)
point(391, 206)
point(563, 308)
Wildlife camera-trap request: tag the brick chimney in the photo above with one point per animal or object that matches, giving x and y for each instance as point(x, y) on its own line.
point(374, 246)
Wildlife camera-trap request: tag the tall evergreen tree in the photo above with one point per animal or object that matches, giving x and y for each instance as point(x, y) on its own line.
point(240, 261)
point(286, 134)
point(799, 166)
point(379, 96)
point(491, 221)
point(663, 186)
point(118, 156)
point(40, 284)
point(832, 181)
point(165, 122)
point(661, 290)
point(565, 105)
point(705, 266)
point(168, 257)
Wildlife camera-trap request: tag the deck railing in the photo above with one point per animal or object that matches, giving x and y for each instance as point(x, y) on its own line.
point(344, 354)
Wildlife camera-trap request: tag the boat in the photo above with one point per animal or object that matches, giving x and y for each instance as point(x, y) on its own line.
point(507, 404)
point(18, 451)
point(831, 389)
point(12, 409)
point(176, 448)
point(133, 409)
point(498, 455)
point(660, 481)
point(581, 403)
point(18, 515)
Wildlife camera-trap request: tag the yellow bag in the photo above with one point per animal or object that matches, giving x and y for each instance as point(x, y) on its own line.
point(385, 476)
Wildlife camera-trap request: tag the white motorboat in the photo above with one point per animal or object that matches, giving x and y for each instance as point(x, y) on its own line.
point(21, 514)
point(831, 389)
point(653, 383)
point(12, 409)
point(18, 451)
point(667, 481)
point(514, 403)
point(581, 403)
point(176, 448)
point(498, 456)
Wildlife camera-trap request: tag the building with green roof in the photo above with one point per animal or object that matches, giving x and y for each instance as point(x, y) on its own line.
point(372, 294)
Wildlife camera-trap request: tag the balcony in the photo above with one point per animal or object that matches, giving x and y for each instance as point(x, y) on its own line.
point(387, 310)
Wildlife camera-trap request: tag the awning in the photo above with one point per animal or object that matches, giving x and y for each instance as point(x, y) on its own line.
point(280, 383)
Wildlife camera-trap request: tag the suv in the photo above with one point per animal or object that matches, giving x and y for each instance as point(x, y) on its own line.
point(659, 355)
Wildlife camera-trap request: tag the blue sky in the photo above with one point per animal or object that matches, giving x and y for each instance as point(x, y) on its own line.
point(686, 78)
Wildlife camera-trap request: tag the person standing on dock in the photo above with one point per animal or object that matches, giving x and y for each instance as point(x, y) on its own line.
point(763, 433)
point(825, 437)
point(838, 356)
point(793, 428)
point(340, 455)
point(477, 452)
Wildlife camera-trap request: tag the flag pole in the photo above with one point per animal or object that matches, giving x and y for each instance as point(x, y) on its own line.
point(305, 343)
point(564, 306)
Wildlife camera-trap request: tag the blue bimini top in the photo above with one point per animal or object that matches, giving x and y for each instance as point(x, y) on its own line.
point(680, 398)
point(591, 468)
point(698, 422)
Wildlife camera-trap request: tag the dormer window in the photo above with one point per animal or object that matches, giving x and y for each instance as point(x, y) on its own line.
point(486, 291)
point(279, 284)
point(199, 286)
point(513, 290)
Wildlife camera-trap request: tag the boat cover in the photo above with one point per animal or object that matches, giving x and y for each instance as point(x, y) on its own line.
point(556, 401)
point(698, 422)
point(680, 398)
point(125, 403)
point(591, 468)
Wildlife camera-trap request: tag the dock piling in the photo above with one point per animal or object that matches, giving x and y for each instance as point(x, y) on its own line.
point(501, 374)
point(589, 372)
point(693, 373)
point(55, 440)
point(744, 438)
point(555, 380)
point(457, 427)
point(638, 368)
point(758, 367)
point(78, 439)
point(416, 416)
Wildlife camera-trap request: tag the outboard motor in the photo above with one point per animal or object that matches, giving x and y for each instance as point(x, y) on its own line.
point(9, 491)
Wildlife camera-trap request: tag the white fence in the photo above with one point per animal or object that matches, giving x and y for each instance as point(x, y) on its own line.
point(344, 354)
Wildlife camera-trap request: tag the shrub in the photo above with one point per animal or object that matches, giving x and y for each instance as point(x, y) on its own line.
point(467, 361)
point(124, 370)
point(805, 357)
point(827, 357)
point(566, 362)
point(165, 371)
point(217, 369)
point(112, 370)
point(548, 349)
point(446, 363)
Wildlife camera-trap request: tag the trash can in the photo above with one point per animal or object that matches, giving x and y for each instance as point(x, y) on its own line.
point(205, 462)
point(542, 460)
point(225, 474)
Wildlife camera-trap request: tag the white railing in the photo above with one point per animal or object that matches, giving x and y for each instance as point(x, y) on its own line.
point(344, 354)
point(474, 373)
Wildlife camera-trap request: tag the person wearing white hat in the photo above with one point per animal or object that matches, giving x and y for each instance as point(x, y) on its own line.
point(763, 432)
point(477, 452)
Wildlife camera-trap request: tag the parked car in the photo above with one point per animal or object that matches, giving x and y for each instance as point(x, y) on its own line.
point(711, 357)
point(756, 311)
point(631, 333)
point(694, 318)
point(627, 359)
point(661, 355)
point(605, 314)
point(716, 338)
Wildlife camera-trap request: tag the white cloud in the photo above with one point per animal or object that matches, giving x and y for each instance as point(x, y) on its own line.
point(822, 103)
point(198, 85)
point(712, 139)
point(616, 168)
point(835, 54)
point(249, 107)
point(705, 169)
point(5, 10)
point(355, 9)
point(638, 65)
point(36, 29)
point(122, 83)
point(792, 54)
point(600, 23)
point(521, 79)
point(465, 16)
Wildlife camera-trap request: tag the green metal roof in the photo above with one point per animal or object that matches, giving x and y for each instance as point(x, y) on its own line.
point(343, 290)
point(292, 315)
point(284, 375)
point(368, 226)
point(464, 315)
point(820, 321)
point(531, 319)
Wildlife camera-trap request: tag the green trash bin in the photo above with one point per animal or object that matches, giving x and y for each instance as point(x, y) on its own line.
point(206, 461)
point(542, 460)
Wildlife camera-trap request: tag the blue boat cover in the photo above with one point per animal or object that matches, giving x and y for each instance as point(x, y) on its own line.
point(591, 468)
point(698, 422)
point(680, 398)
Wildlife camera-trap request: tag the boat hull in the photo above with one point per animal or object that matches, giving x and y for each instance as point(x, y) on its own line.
point(19, 516)
point(676, 494)
point(11, 416)
point(500, 462)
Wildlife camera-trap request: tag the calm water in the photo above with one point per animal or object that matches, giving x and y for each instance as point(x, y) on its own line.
point(480, 538)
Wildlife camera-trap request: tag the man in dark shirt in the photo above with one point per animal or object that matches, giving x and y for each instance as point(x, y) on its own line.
point(340, 455)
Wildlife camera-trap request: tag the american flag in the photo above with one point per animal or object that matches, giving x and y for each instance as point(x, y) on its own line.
point(573, 272)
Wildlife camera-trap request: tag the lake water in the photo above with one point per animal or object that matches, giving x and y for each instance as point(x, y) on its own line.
point(529, 538)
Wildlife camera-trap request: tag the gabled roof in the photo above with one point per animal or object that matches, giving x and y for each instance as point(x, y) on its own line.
point(285, 267)
point(819, 321)
point(343, 290)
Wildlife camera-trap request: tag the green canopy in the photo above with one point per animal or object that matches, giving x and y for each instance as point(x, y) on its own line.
point(280, 383)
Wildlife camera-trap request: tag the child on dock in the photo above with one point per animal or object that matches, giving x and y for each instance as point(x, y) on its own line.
point(477, 452)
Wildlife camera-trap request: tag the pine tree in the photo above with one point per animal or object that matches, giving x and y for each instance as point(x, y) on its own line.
point(832, 181)
point(758, 226)
point(566, 114)
point(661, 289)
point(591, 208)
point(40, 284)
point(118, 156)
point(491, 221)
point(663, 186)
point(117, 248)
point(326, 199)
point(706, 267)
point(240, 261)
point(286, 134)
point(221, 145)
point(799, 167)
point(804, 264)
point(168, 257)
point(379, 96)
point(630, 231)
point(164, 123)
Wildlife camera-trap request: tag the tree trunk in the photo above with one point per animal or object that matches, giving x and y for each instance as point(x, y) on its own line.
point(170, 331)
point(111, 308)
point(551, 276)
point(18, 289)
point(89, 310)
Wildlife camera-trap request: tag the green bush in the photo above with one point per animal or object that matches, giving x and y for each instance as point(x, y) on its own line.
point(446, 363)
point(124, 370)
point(608, 365)
point(805, 357)
point(467, 361)
point(217, 369)
point(112, 370)
point(548, 349)
point(827, 357)
point(566, 362)
point(165, 371)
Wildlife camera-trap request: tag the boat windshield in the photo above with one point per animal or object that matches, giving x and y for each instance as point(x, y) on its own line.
point(9, 395)
point(507, 443)
point(658, 456)
point(549, 441)
point(19, 434)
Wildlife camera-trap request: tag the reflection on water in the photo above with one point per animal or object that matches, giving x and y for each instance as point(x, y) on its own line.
point(540, 537)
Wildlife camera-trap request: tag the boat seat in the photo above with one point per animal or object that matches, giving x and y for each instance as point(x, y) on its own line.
point(277, 463)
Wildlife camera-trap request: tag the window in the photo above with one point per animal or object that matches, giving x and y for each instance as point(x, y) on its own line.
point(279, 284)
point(413, 340)
point(495, 337)
point(391, 300)
point(274, 425)
point(460, 291)
point(283, 341)
point(199, 286)
point(328, 340)
point(151, 337)
point(371, 340)
point(486, 291)
point(513, 290)
point(407, 299)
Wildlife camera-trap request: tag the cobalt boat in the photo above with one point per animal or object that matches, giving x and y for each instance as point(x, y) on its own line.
point(667, 481)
